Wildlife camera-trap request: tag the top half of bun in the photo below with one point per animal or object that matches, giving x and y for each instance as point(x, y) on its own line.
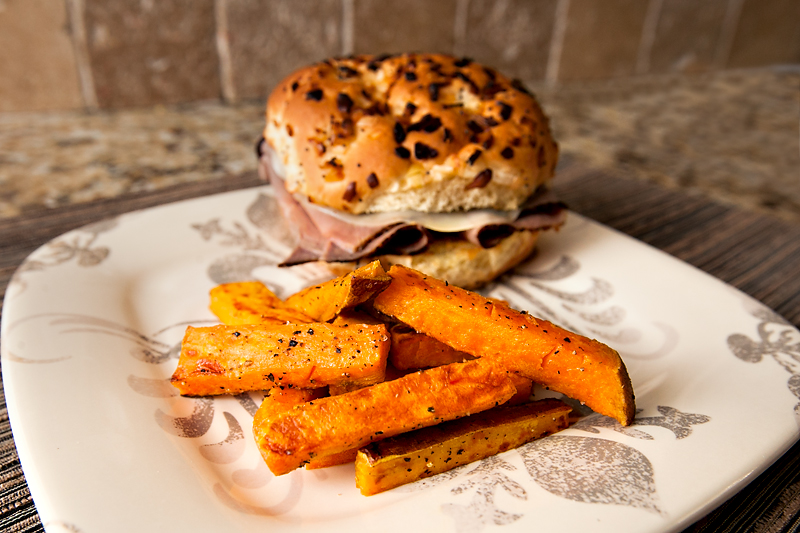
point(424, 132)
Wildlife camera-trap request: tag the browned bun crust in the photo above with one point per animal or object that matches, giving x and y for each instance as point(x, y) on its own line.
point(426, 132)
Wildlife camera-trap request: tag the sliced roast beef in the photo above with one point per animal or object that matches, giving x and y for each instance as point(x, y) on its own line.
point(324, 237)
point(540, 216)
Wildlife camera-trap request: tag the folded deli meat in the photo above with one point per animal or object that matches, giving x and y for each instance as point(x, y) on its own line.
point(329, 236)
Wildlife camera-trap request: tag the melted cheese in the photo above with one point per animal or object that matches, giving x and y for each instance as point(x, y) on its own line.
point(444, 222)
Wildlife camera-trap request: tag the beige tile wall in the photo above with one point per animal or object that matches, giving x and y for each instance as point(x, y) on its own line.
point(145, 52)
point(108, 54)
point(37, 63)
point(686, 37)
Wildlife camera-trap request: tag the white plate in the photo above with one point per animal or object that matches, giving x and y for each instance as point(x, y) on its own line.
point(92, 322)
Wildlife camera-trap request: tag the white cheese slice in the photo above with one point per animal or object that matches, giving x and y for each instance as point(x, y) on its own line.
point(444, 222)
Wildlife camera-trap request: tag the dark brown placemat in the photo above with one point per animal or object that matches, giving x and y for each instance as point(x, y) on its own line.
point(755, 253)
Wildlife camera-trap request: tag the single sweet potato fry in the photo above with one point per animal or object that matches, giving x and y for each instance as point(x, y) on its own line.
point(336, 459)
point(251, 302)
point(231, 359)
point(281, 400)
point(339, 423)
point(412, 350)
point(524, 388)
point(354, 316)
point(523, 385)
point(582, 368)
point(323, 302)
point(423, 453)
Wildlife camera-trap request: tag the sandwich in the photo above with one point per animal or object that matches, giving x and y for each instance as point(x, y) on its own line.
point(433, 162)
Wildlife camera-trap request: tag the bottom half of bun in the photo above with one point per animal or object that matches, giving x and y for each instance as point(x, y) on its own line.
point(467, 265)
point(457, 261)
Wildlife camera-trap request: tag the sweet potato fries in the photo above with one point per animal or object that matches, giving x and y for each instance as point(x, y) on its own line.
point(372, 355)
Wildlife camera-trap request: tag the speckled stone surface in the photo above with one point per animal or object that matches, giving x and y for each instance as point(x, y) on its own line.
point(56, 159)
point(733, 136)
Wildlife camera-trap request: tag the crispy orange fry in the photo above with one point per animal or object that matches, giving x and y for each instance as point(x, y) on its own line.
point(354, 316)
point(524, 388)
point(323, 302)
point(336, 459)
point(232, 359)
point(251, 302)
point(412, 350)
point(281, 400)
point(582, 368)
point(339, 423)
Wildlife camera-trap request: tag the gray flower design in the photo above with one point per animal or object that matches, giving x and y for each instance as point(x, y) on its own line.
point(590, 470)
point(255, 251)
point(594, 422)
point(484, 480)
point(195, 425)
point(237, 267)
point(229, 449)
point(236, 236)
point(776, 339)
point(676, 421)
point(78, 245)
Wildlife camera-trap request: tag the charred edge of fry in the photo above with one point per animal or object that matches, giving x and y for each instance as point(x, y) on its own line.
point(412, 456)
point(325, 301)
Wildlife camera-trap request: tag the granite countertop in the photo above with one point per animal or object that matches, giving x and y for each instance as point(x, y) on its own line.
point(731, 135)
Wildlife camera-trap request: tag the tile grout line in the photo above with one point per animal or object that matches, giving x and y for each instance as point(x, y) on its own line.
point(223, 43)
point(648, 39)
point(556, 43)
point(460, 27)
point(75, 12)
point(730, 23)
point(348, 20)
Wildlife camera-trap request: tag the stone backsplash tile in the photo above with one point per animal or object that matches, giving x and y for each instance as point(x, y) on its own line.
point(768, 33)
point(601, 39)
point(146, 52)
point(269, 40)
point(37, 64)
point(66, 54)
point(687, 36)
point(511, 35)
point(384, 26)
